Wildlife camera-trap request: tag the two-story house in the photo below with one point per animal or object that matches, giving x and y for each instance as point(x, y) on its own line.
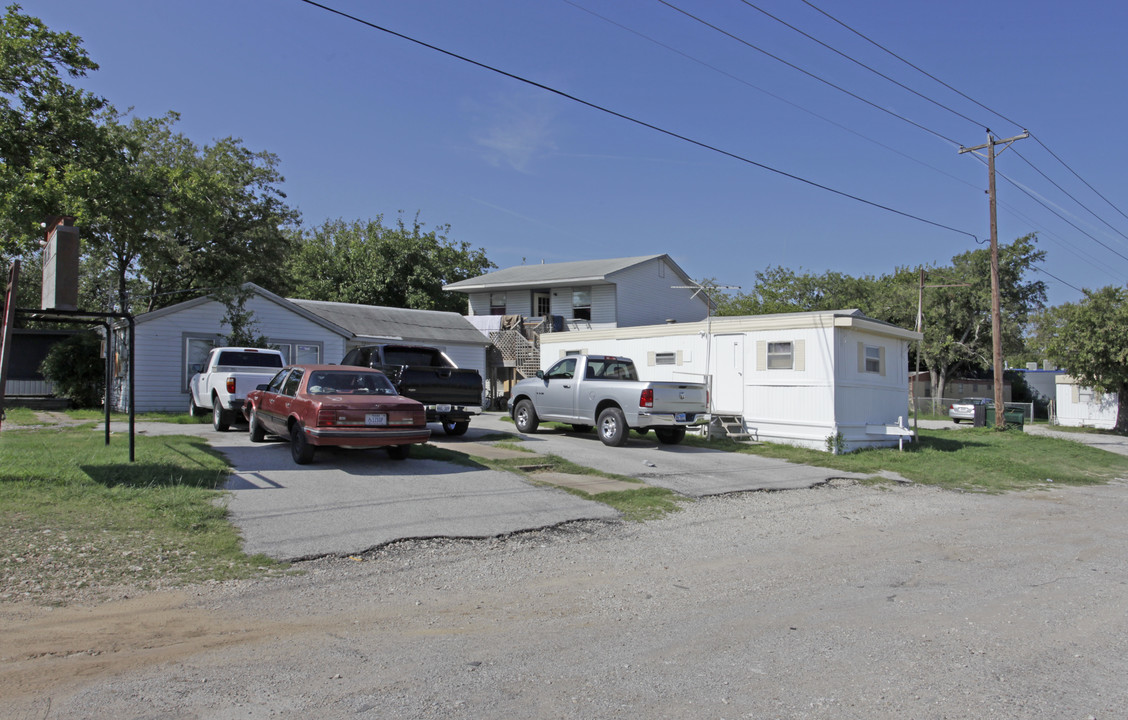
point(515, 305)
point(589, 294)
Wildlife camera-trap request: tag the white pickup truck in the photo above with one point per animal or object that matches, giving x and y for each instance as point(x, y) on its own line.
point(605, 392)
point(221, 385)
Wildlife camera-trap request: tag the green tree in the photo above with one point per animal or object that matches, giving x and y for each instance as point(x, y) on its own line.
point(1090, 340)
point(76, 369)
point(50, 137)
point(372, 264)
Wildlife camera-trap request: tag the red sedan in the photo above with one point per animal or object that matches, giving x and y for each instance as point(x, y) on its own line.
point(352, 407)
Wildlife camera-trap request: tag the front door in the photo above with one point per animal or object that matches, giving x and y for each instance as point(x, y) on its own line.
point(542, 304)
point(728, 375)
point(559, 398)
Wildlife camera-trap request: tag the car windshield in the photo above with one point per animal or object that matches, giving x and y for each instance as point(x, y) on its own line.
point(340, 382)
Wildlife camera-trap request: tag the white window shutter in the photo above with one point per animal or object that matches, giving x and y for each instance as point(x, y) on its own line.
point(799, 356)
point(881, 360)
point(651, 358)
point(861, 357)
point(761, 355)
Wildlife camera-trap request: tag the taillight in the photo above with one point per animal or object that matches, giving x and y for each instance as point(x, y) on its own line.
point(326, 418)
point(646, 399)
point(231, 385)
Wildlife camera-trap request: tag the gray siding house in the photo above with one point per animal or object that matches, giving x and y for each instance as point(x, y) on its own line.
point(589, 294)
point(170, 340)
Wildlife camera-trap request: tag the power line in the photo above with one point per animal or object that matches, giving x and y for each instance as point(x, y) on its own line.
point(1068, 195)
point(1055, 277)
point(880, 74)
point(914, 67)
point(1102, 197)
point(636, 121)
point(809, 74)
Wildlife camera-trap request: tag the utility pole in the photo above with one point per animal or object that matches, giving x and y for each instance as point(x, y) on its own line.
point(996, 310)
point(920, 343)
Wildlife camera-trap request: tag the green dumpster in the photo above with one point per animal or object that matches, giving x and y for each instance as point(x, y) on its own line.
point(1013, 418)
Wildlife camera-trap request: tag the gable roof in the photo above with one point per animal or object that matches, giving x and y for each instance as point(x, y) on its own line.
point(376, 322)
point(260, 291)
point(564, 273)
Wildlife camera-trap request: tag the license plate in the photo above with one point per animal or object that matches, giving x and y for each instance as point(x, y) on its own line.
point(375, 419)
point(679, 417)
point(442, 408)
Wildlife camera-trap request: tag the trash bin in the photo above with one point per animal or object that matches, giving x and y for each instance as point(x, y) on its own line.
point(1012, 418)
point(979, 416)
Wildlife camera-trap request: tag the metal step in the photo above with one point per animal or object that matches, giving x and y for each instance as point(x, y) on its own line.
point(732, 426)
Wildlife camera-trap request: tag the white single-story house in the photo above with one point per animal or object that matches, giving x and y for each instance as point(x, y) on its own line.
point(1079, 406)
point(589, 294)
point(795, 378)
point(171, 340)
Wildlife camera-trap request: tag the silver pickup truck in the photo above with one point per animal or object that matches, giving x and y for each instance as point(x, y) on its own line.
point(605, 392)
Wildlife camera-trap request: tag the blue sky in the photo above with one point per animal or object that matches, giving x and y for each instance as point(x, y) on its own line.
point(366, 123)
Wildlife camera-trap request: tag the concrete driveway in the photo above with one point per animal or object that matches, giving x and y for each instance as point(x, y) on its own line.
point(351, 501)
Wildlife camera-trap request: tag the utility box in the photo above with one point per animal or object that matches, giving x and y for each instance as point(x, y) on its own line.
point(60, 265)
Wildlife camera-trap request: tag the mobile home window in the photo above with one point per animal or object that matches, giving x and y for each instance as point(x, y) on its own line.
point(581, 303)
point(873, 359)
point(780, 356)
point(497, 303)
point(665, 358)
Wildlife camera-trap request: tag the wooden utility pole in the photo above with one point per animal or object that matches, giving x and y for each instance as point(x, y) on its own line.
point(996, 309)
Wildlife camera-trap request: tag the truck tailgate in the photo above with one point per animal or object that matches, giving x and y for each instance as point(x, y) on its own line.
point(678, 397)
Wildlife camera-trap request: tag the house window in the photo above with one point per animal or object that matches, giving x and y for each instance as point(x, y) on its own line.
point(780, 356)
point(665, 358)
point(497, 303)
point(873, 359)
point(581, 303)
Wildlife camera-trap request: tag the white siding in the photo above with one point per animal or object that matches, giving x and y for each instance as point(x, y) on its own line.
point(1083, 407)
point(822, 394)
point(647, 295)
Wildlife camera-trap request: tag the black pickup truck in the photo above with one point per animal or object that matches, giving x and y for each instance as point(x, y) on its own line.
point(450, 394)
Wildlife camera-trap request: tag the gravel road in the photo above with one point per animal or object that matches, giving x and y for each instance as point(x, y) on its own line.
point(841, 601)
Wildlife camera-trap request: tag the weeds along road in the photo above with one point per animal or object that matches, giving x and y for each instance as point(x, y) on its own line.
point(840, 601)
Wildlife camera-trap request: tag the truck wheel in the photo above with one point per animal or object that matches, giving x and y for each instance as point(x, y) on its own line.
point(452, 427)
point(670, 435)
point(256, 431)
point(525, 417)
point(221, 419)
point(193, 409)
point(399, 452)
point(613, 428)
point(300, 449)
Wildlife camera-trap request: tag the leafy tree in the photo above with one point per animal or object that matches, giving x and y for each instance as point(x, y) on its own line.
point(372, 264)
point(76, 369)
point(50, 138)
point(1090, 340)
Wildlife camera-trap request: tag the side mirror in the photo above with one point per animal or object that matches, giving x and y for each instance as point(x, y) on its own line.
point(540, 374)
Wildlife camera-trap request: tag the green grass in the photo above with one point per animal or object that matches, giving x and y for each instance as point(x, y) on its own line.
point(68, 500)
point(975, 459)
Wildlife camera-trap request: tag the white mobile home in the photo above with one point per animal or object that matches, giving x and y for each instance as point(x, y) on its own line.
point(1079, 406)
point(796, 378)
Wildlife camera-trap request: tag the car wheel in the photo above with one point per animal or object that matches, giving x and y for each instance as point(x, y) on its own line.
point(221, 419)
point(613, 429)
point(193, 409)
point(399, 452)
point(670, 435)
point(256, 431)
point(300, 448)
point(581, 428)
point(451, 427)
point(525, 417)
point(956, 420)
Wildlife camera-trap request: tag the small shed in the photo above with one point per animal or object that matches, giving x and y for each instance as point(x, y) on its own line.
point(1080, 406)
point(823, 380)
